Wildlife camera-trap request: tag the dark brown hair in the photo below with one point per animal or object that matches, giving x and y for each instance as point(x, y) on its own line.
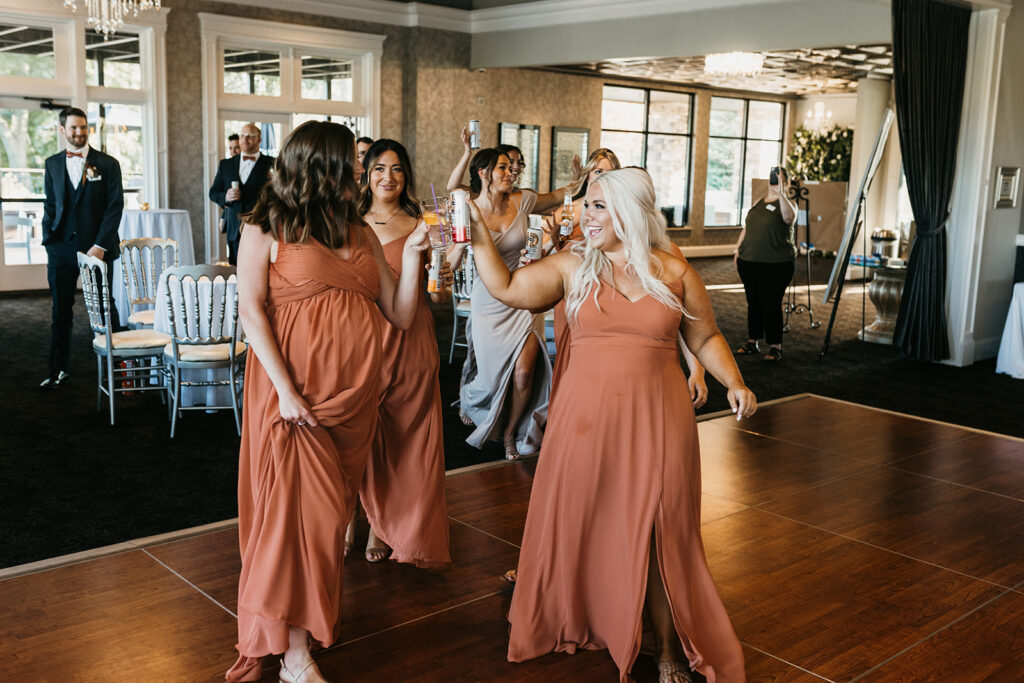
point(484, 159)
point(407, 198)
point(305, 197)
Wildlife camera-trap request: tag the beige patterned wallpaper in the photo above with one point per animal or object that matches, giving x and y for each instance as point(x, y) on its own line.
point(428, 95)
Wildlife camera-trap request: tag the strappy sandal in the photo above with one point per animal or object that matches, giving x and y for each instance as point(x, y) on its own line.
point(509, 576)
point(671, 671)
point(774, 354)
point(511, 452)
point(748, 349)
point(377, 553)
point(286, 676)
point(466, 419)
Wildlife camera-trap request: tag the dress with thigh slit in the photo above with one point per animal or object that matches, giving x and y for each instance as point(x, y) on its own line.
point(297, 484)
point(620, 459)
point(496, 335)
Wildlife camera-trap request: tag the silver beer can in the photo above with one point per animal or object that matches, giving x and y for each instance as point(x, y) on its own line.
point(535, 238)
point(474, 134)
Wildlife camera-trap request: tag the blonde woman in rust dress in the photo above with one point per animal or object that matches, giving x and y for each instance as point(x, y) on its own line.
point(403, 490)
point(613, 526)
point(312, 284)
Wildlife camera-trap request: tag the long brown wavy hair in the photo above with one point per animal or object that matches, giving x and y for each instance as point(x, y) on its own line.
point(306, 195)
point(407, 198)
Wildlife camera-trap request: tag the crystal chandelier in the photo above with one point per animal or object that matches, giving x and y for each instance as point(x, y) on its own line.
point(733, 64)
point(106, 16)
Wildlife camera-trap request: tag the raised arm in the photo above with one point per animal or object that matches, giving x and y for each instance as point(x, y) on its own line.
point(254, 253)
point(455, 180)
point(398, 300)
point(704, 339)
point(537, 286)
point(549, 201)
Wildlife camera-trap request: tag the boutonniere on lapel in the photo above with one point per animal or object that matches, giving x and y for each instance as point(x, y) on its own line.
point(91, 173)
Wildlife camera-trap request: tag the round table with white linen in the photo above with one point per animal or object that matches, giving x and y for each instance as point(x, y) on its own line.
point(1011, 348)
point(171, 224)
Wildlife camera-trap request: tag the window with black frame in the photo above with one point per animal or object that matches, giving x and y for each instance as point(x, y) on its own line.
point(745, 142)
point(653, 129)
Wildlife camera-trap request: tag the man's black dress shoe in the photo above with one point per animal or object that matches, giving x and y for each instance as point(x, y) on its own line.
point(55, 380)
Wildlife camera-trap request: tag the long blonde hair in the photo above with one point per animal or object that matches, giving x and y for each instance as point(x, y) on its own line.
point(629, 194)
point(578, 188)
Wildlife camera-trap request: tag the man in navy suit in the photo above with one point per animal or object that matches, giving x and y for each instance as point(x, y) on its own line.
point(238, 183)
point(81, 212)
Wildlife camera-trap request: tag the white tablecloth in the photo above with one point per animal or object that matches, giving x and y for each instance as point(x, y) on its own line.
point(196, 396)
point(1011, 348)
point(167, 223)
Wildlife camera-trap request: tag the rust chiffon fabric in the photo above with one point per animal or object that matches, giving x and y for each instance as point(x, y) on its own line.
point(403, 490)
point(620, 460)
point(563, 333)
point(297, 484)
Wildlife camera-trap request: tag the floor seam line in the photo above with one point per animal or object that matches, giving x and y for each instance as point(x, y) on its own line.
point(197, 588)
point(497, 538)
point(950, 625)
point(825, 482)
point(887, 550)
point(412, 621)
point(785, 661)
point(953, 483)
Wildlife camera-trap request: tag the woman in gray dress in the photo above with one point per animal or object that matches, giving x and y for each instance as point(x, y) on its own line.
point(506, 379)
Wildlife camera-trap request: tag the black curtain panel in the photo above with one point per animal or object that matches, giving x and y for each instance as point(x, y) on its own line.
point(929, 45)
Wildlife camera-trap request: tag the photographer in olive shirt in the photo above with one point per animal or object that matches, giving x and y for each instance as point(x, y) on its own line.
point(765, 257)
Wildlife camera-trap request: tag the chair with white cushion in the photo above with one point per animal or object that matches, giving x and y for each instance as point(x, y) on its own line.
point(137, 346)
point(202, 307)
point(142, 262)
point(462, 288)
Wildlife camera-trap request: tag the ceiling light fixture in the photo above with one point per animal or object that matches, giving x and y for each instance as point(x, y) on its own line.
point(733, 64)
point(106, 16)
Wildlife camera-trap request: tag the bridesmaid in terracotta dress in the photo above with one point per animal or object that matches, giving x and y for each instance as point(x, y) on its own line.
point(403, 490)
point(613, 526)
point(312, 284)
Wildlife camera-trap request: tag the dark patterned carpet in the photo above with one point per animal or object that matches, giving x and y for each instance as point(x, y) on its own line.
point(70, 482)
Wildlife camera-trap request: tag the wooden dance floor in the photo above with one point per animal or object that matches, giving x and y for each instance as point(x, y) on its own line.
point(847, 543)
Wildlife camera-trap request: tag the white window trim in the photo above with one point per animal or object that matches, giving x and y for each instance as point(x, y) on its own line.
point(69, 85)
point(291, 40)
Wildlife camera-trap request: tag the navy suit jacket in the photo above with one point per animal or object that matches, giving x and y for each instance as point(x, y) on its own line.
point(98, 202)
point(227, 172)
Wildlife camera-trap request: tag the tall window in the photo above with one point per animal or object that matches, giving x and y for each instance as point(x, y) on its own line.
point(278, 76)
point(745, 142)
point(121, 91)
point(653, 129)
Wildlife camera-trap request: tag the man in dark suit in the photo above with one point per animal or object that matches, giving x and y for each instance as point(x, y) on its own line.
point(81, 212)
point(238, 183)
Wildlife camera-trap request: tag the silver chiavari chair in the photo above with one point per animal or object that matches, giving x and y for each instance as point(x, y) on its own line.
point(142, 262)
point(202, 309)
point(462, 288)
point(114, 347)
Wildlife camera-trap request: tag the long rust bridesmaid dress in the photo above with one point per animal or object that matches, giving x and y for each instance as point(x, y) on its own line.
point(403, 490)
point(620, 460)
point(297, 484)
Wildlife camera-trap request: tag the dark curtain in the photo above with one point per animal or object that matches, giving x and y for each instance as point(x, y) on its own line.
point(929, 45)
